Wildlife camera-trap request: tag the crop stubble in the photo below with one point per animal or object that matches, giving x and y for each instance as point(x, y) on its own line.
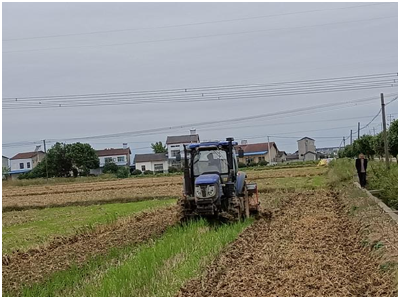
point(309, 248)
point(34, 265)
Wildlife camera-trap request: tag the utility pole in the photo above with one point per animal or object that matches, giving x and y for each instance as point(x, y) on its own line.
point(47, 171)
point(344, 142)
point(384, 131)
point(358, 135)
point(351, 137)
point(269, 152)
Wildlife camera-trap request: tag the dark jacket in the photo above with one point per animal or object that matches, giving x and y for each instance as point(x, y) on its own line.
point(358, 165)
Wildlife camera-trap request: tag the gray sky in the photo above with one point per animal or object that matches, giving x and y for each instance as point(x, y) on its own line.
point(348, 49)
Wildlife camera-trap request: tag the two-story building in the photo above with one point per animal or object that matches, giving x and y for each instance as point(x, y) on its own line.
point(24, 162)
point(152, 162)
point(119, 156)
point(306, 149)
point(175, 146)
point(257, 152)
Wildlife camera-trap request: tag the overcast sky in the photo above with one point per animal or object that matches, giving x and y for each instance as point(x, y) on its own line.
point(361, 41)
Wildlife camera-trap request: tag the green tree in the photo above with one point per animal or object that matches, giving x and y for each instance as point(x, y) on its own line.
point(159, 148)
point(378, 145)
point(364, 145)
point(5, 172)
point(82, 157)
point(348, 152)
point(392, 139)
point(59, 164)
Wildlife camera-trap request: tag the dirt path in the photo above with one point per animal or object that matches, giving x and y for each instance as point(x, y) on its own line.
point(35, 265)
point(309, 248)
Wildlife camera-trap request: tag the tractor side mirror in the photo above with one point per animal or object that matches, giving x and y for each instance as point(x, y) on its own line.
point(178, 157)
point(241, 153)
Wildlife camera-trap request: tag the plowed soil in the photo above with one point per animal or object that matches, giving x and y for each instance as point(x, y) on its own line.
point(35, 265)
point(309, 248)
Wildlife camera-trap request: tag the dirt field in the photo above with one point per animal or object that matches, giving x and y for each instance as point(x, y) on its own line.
point(319, 242)
point(30, 197)
point(305, 250)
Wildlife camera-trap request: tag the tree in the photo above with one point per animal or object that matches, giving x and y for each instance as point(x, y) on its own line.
point(392, 138)
point(58, 163)
point(348, 152)
point(378, 145)
point(5, 172)
point(364, 145)
point(82, 157)
point(159, 148)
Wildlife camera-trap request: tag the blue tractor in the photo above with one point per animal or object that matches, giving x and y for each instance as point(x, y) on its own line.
point(213, 186)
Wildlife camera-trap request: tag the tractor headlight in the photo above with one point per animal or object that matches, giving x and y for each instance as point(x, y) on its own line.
point(198, 192)
point(211, 190)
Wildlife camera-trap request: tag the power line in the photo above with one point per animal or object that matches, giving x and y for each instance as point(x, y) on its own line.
point(202, 36)
point(188, 24)
point(253, 117)
point(210, 93)
point(379, 112)
point(205, 89)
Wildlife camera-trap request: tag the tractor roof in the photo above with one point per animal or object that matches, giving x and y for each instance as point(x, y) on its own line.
point(211, 143)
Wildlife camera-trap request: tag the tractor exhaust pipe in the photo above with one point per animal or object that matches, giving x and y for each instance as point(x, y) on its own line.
point(186, 174)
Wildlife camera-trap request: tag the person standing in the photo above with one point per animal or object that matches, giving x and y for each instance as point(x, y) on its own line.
point(361, 166)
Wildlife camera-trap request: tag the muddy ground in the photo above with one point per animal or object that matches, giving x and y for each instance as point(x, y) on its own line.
point(309, 248)
point(34, 265)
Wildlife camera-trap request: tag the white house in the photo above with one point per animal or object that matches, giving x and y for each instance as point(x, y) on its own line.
point(119, 156)
point(152, 162)
point(24, 162)
point(175, 146)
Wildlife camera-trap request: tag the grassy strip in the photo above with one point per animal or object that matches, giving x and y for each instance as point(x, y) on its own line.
point(157, 268)
point(85, 203)
point(78, 180)
point(23, 230)
point(378, 178)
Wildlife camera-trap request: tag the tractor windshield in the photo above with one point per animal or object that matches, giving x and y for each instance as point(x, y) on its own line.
point(210, 161)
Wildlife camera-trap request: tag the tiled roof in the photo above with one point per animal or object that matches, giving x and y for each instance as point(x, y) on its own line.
point(255, 147)
point(150, 157)
point(113, 152)
point(183, 139)
point(306, 138)
point(26, 155)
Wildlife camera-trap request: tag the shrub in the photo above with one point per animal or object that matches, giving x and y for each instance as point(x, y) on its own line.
point(263, 163)
point(252, 164)
point(136, 172)
point(172, 169)
point(122, 173)
point(110, 167)
point(241, 165)
point(147, 172)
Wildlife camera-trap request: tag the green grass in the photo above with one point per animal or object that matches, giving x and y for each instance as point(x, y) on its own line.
point(378, 178)
point(157, 268)
point(27, 229)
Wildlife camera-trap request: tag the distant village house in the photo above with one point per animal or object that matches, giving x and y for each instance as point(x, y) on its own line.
point(257, 152)
point(24, 162)
point(153, 162)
